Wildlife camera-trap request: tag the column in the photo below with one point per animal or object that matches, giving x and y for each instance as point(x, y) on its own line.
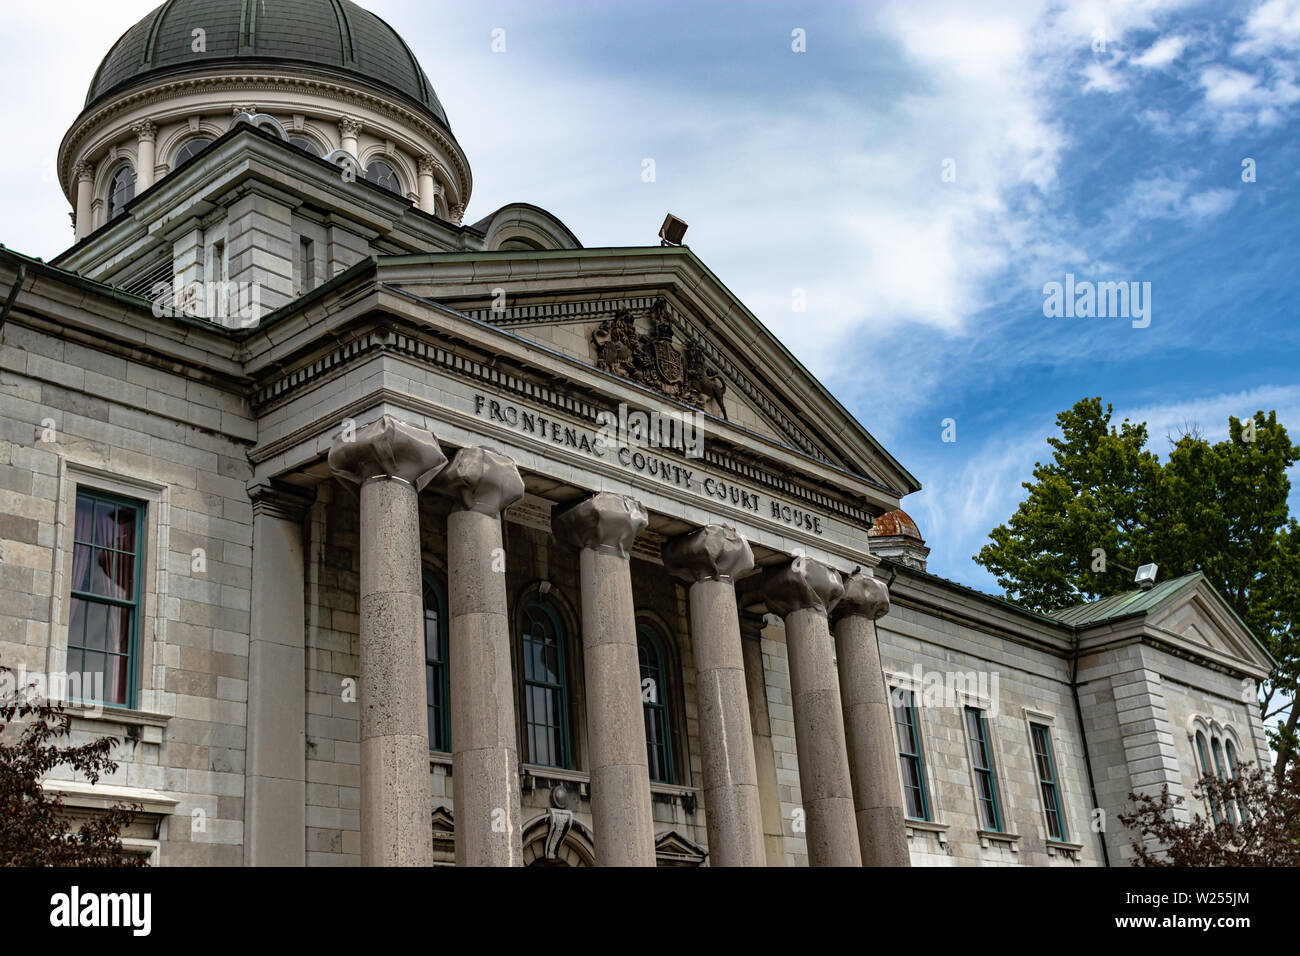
point(275, 789)
point(604, 527)
point(427, 201)
point(485, 755)
point(83, 174)
point(349, 130)
point(711, 558)
point(803, 591)
point(769, 797)
point(391, 461)
point(145, 132)
point(877, 796)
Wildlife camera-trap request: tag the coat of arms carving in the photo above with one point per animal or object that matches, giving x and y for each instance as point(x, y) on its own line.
point(656, 360)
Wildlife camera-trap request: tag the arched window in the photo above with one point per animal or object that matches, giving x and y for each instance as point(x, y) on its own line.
point(121, 190)
point(1205, 770)
point(382, 174)
point(654, 699)
point(1232, 772)
point(436, 687)
point(546, 697)
point(305, 144)
point(191, 149)
point(1219, 771)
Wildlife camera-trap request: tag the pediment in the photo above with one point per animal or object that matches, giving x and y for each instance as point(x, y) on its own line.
point(683, 335)
point(673, 849)
point(1202, 619)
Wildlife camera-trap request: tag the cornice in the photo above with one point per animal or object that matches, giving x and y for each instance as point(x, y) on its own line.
point(433, 350)
point(161, 92)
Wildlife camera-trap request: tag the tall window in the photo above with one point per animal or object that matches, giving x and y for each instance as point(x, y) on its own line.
point(104, 618)
point(436, 688)
point(1043, 759)
point(1220, 772)
point(909, 754)
point(986, 787)
point(1205, 771)
point(383, 174)
point(1232, 772)
point(189, 151)
point(121, 190)
point(546, 698)
point(654, 698)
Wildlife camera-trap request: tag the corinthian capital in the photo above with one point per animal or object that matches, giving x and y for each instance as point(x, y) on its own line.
point(803, 583)
point(482, 480)
point(144, 130)
point(83, 170)
point(349, 126)
point(863, 595)
point(428, 163)
point(712, 553)
point(605, 522)
point(387, 448)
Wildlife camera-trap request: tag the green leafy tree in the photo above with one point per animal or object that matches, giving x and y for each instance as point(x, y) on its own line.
point(1105, 504)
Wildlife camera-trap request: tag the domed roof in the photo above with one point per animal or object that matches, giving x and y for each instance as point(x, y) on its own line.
point(322, 36)
point(895, 523)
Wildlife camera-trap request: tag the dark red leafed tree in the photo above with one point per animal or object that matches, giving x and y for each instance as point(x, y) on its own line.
point(1252, 819)
point(34, 824)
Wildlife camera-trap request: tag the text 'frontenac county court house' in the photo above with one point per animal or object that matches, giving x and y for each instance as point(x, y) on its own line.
point(388, 539)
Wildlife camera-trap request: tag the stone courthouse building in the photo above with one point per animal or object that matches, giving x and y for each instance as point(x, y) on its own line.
point(381, 537)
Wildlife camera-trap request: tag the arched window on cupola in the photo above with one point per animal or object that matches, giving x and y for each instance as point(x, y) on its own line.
point(121, 190)
point(191, 149)
point(383, 174)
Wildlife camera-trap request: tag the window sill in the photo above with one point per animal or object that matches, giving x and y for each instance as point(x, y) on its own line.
point(989, 837)
point(1070, 851)
point(151, 725)
point(940, 830)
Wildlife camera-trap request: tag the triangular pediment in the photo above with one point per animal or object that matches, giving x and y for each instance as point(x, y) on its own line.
point(657, 317)
point(1201, 619)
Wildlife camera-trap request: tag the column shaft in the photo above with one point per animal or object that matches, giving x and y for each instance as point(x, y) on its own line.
point(396, 797)
point(735, 823)
point(877, 796)
point(84, 174)
point(819, 736)
point(620, 774)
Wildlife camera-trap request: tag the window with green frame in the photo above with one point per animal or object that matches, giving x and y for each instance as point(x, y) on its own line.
point(1046, 764)
point(654, 699)
point(546, 696)
point(1217, 750)
point(436, 685)
point(1232, 772)
point(986, 787)
point(105, 608)
point(1205, 771)
point(908, 731)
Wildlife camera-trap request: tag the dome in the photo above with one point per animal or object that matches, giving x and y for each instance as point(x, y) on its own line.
point(319, 36)
point(895, 523)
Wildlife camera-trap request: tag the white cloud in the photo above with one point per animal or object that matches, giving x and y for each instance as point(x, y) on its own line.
point(1161, 53)
point(1101, 79)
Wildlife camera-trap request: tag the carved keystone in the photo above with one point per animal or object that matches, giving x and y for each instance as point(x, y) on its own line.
point(712, 553)
point(482, 480)
point(803, 583)
point(605, 522)
point(388, 448)
point(863, 595)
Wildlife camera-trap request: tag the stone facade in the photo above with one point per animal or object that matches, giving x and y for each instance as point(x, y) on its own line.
point(626, 587)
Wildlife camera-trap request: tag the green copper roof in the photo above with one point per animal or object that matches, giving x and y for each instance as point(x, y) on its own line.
point(1122, 605)
point(323, 36)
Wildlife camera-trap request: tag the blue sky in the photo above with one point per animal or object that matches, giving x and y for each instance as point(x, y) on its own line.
point(1100, 139)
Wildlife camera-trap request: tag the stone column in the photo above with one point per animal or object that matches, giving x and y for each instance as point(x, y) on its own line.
point(275, 788)
point(145, 132)
point(604, 527)
point(391, 461)
point(877, 795)
point(711, 558)
point(349, 130)
point(427, 202)
point(803, 591)
point(485, 755)
point(83, 174)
